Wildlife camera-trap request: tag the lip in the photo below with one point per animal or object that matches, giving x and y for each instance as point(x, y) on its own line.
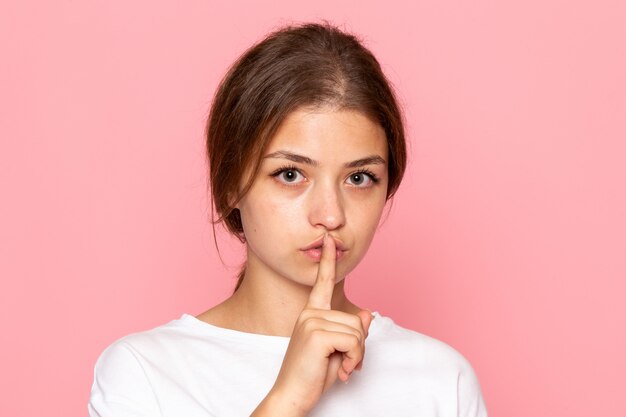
point(314, 249)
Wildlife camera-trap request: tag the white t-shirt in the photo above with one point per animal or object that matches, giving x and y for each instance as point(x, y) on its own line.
point(189, 368)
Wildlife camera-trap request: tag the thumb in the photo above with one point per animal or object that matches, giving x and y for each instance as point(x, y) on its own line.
point(366, 317)
point(334, 362)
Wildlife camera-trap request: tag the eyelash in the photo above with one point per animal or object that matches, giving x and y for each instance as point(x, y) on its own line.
point(282, 169)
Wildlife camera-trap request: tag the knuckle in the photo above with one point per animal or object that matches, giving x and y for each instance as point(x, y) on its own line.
point(309, 325)
point(316, 336)
point(355, 341)
point(306, 314)
point(355, 321)
point(358, 324)
point(357, 334)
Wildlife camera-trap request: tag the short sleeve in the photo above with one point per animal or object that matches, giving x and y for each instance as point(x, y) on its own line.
point(470, 399)
point(121, 387)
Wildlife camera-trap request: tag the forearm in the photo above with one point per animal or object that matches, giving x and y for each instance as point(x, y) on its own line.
point(276, 405)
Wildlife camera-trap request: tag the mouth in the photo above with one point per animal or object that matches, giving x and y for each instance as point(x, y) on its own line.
point(313, 250)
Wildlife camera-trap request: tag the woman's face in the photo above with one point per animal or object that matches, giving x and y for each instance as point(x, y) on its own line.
point(324, 171)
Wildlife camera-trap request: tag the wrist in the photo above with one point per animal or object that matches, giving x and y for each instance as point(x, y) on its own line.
point(278, 404)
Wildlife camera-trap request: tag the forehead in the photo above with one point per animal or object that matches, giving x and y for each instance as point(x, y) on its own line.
point(329, 135)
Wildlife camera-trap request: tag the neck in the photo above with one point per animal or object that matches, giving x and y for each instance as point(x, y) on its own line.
point(269, 304)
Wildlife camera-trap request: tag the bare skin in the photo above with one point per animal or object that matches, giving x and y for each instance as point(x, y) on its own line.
point(247, 313)
point(326, 344)
point(335, 188)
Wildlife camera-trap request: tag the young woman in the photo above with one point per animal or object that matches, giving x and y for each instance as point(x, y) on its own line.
point(306, 146)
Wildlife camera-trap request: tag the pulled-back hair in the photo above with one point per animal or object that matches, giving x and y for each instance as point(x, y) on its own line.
point(311, 65)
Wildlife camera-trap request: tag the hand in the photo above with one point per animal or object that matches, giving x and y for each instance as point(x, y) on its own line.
point(325, 344)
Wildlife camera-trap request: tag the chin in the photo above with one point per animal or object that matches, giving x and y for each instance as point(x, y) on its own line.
point(309, 280)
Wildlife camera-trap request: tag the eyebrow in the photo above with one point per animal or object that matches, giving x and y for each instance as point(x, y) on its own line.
point(369, 160)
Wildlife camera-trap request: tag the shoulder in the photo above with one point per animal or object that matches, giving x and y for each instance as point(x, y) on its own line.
point(134, 348)
point(403, 342)
point(122, 379)
point(429, 361)
point(121, 384)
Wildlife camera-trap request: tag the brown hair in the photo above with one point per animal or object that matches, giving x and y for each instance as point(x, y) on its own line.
point(311, 65)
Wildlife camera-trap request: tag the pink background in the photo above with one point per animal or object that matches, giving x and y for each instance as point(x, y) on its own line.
point(507, 239)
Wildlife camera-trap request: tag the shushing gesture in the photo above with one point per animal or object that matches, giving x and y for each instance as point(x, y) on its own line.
point(325, 345)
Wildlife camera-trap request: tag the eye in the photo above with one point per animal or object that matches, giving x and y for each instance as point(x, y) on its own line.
point(362, 179)
point(288, 175)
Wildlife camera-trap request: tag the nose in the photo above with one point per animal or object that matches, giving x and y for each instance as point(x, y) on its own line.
point(326, 207)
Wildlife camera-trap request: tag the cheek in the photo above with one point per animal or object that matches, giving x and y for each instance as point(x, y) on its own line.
point(368, 213)
point(365, 220)
point(271, 219)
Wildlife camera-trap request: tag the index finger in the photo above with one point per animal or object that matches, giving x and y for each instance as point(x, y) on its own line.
point(322, 292)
